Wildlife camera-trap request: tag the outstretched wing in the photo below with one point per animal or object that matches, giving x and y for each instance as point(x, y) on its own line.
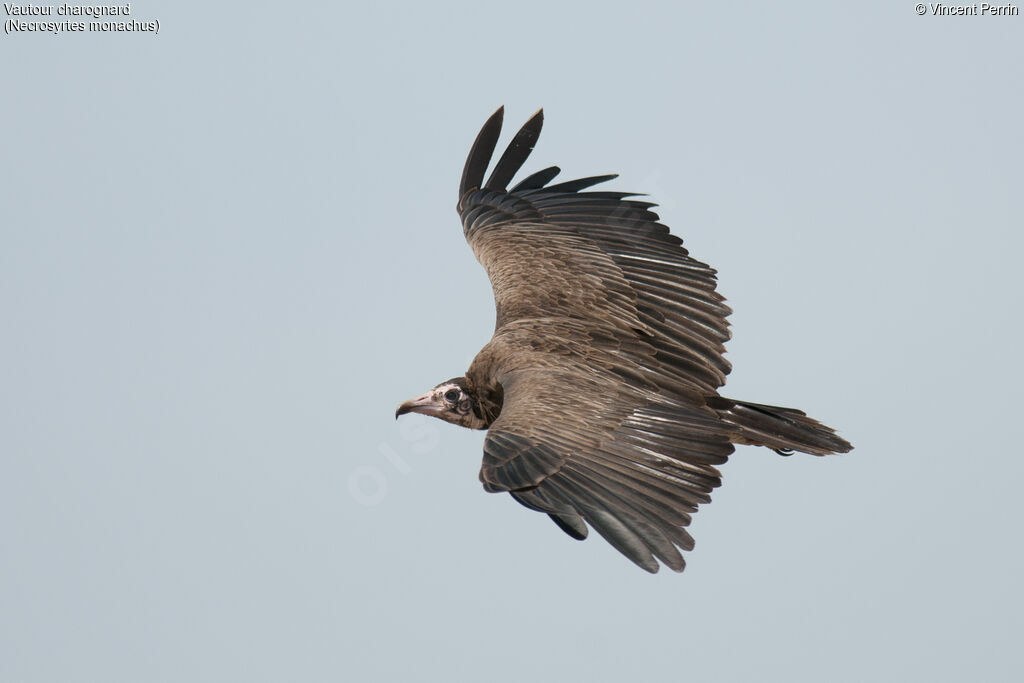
point(578, 441)
point(557, 251)
point(608, 337)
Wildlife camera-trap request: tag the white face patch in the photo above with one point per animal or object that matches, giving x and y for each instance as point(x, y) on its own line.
point(458, 405)
point(450, 395)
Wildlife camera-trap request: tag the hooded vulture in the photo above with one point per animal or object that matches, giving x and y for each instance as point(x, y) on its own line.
point(599, 388)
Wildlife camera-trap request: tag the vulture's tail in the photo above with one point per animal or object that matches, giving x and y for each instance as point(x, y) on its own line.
point(783, 429)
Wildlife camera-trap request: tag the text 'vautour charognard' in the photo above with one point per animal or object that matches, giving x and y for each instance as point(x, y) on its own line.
point(70, 18)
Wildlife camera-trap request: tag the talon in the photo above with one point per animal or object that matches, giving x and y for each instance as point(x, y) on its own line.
point(786, 452)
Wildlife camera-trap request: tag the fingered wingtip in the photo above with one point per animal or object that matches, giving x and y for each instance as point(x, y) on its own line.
point(516, 153)
point(480, 153)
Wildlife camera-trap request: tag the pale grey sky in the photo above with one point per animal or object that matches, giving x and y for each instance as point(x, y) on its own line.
point(228, 250)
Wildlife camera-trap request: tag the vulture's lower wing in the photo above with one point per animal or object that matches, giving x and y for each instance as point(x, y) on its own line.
point(574, 442)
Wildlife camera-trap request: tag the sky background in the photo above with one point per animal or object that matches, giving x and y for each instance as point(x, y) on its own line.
point(229, 250)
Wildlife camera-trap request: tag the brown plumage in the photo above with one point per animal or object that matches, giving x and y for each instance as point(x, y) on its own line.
point(599, 389)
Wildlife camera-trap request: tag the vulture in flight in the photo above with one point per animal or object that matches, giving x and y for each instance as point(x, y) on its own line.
point(599, 388)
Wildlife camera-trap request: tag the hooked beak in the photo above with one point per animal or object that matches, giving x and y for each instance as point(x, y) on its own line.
point(421, 404)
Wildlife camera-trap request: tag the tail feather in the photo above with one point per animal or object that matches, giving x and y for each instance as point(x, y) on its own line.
point(779, 428)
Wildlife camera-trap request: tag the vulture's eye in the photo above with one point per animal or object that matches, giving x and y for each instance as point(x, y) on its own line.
point(452, 395)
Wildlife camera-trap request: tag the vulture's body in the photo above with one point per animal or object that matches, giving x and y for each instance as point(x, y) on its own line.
point(599, 389)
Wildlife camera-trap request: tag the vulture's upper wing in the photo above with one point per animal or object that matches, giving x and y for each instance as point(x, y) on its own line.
point(554, 251)
point(608, 336)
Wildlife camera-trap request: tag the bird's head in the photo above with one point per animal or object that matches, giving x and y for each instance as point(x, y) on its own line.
point(452, 401)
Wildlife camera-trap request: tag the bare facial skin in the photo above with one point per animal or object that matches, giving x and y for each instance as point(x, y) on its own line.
point(447, 401)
